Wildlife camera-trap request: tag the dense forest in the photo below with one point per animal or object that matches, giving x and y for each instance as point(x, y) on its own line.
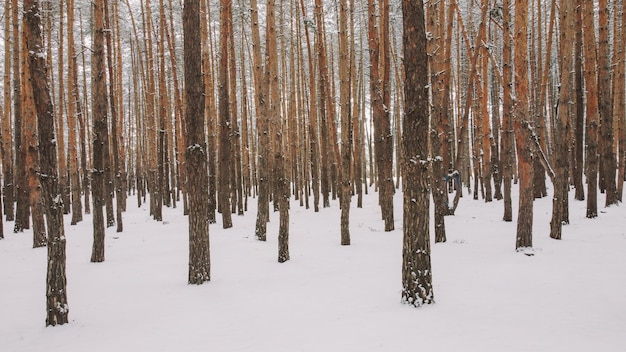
point(208, 105)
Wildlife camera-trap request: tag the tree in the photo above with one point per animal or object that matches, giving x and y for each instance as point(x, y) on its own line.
point(73, 108)
point(508, 157)
point(579, 123)
point(379, 86)
point(522, 127)
point(346, 122)
point(605, 105)
point(56, 293)
point(436, 23)
point(22, 209)
point(225, 146)
point(262, 125)
point(417, 288)
point(592, 119)
point(196, 153)
point(31, 151)
point(100, 130)
point(566, 40)
point(7, 133)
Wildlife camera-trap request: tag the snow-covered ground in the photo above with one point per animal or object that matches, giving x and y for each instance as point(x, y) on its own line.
point(569, 296)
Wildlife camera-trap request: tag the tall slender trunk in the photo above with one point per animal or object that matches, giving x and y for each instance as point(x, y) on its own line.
point(605, 106)
point(521, 122)
point(73, 108)
point(196, 157)
point(346, 122)
point(100, 131)
point(8, 153)
point(560, 194)
point(436, 25)
point(592, 112)
point(507, 113)
point(225, 147)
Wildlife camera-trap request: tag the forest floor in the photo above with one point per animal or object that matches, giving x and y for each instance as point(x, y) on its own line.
point(568, 296)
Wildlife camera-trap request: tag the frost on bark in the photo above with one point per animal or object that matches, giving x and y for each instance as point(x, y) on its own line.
point(417, 288)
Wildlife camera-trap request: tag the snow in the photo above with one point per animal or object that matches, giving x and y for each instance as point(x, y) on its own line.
point(568, 296)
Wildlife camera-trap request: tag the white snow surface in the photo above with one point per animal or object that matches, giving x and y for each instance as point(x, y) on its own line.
point(568, 296)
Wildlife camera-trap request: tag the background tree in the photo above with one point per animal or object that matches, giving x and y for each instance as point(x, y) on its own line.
point(560, 193)
point(417, 286)
point(225, 146)
point(605, 105)
point(592, 119)
point(7, 131)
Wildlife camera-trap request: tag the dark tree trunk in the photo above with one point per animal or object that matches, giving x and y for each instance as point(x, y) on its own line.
point(225, 146)
point(196, 154)
point(56, 294)
point(100, 132)
point(592, 113)
point(579, 124)
point(521, 122)
point(508, 157)
point(561, 142)
point(417, 288)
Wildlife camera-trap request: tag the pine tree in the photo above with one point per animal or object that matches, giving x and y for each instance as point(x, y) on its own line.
point(196, 153)
point(417, 288)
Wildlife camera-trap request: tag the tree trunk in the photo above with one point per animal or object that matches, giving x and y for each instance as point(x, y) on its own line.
point(196, 157)
point(31, 146)
point(346, 122)
point(417, 288)
point(73, 109)
point(22, 209)
point(100, 131)
point(592, 113)
point(8, 153)
point(225, 147)
point(261, 97)
point(113, 183)
point(521, 121)
point(508, 156)
point(56, 296)
point(566, 40)
point(436, 25)
point(579, 125)
point(620, 98)
point(605, 106)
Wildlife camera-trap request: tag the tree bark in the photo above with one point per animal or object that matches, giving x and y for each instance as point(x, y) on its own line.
point(8, 153)
point(521, 121)
point(417, 288)
point(100, 130)
point(561, 182)
point(56, 296)
point(225, 147)
point(605, 106)
point(346, 122)
point(196, 153)
point(592, 112)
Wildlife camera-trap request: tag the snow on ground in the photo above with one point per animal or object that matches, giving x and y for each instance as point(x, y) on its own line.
point(569, 296)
